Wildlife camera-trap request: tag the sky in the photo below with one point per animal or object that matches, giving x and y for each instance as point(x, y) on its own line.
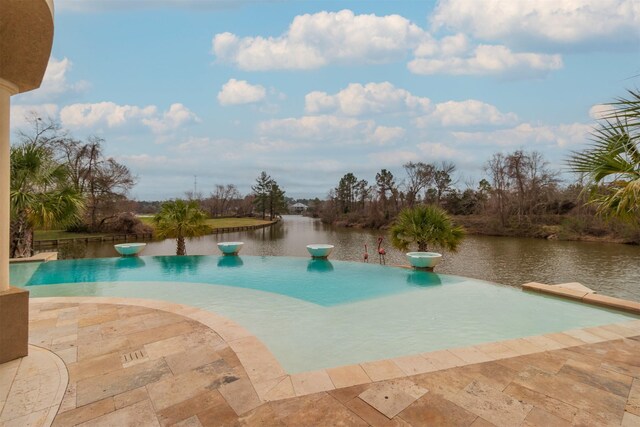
point(311, 90)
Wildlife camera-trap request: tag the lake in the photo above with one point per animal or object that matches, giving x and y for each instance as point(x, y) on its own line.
point(611, 269)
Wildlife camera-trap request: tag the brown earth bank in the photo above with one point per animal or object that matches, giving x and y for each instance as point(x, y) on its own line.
point(571, 228)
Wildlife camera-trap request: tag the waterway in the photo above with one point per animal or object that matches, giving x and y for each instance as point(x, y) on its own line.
point(611, 269)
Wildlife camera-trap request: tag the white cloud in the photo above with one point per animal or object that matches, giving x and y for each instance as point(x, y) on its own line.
point(204, 147)
point(54, 83)
point(439, 151)
point(20, 113)
point(600, 111)
point(548, 21)
point(201, 144)
point(372, 98)
point(265, 145)
point(146, 161)
point(323, 165)
point(488, 59)
point(112, 115)
point(448, 46)
point(329, 129)
point(526, 134)
point(316, 127)
point(315, 40)
point(384, 98)
point(466, 113)
point(385, 134)
point(236, 92)
point(177, 116)
point(107, 114)
point(393, 158)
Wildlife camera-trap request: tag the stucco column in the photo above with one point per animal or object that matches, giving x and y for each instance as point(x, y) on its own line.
point(26, 36)
point(6, 90)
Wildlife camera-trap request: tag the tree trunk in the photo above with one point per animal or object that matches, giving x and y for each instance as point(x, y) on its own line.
point(181, 247)
point(21, 245)
point(271, 208)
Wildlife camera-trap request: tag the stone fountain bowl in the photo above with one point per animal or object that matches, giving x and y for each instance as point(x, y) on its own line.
point(318, 250)
point(424, 259)
point(129, 249)
point(230, 248)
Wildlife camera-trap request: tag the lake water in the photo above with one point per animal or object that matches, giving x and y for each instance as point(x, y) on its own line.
point(611, 269)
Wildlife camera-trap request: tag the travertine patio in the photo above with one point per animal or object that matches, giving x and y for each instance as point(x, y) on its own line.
point(136, 362)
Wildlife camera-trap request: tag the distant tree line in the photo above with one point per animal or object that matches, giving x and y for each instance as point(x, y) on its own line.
point(266, 199)
point(520, 194)
point(61, 182)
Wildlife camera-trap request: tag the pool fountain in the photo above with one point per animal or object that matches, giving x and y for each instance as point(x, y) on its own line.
point(424, 260)
point(320, 250)
point(230, 248)
point(129, 249)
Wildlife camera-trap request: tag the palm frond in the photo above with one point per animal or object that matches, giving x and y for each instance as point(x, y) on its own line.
point(611, 163)
point(179, 218)
point(425, 226)
point(40, 191)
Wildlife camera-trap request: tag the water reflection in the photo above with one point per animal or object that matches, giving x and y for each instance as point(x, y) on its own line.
point(230, 261)
point(610, 269)
point(130, 262)
point(176, 265)
point(423, 279)
point(72, 250)
point(319, 266)
point(275, 232)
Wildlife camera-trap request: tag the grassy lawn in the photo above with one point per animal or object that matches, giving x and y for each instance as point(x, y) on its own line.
point(234, 222)
point(220, 222)
point(61, 234)
point(214, 223)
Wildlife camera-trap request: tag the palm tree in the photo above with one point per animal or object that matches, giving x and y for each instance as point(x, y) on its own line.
point(425, 226)
point(41, 196)
point(179, 219)
point(612, 163)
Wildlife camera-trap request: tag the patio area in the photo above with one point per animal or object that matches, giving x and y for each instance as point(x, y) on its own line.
point(125, 362)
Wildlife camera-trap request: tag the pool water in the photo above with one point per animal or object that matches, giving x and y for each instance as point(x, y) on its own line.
point(317, 281)
point(315, 314)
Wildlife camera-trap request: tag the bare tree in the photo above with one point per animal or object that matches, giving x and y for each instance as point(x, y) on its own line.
point(387, 190)
point(522, 183)
point(497, 168)
point(41, 131)
point(102, 181)
point(220, 200)
point(419, 176)
point(442, 178)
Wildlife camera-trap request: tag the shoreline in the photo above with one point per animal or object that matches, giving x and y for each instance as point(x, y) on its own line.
point(479, 226)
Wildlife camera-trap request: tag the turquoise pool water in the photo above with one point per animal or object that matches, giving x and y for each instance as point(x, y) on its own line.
point(316, 281)
point(319, 314)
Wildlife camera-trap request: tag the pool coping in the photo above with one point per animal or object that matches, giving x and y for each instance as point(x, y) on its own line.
point(39, 257)
point(581, 293)
point(271, 382)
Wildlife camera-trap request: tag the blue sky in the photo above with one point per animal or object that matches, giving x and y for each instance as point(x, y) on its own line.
point(311, 90)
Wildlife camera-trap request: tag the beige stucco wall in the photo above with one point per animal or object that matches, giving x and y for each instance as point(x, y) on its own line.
point(26, 36)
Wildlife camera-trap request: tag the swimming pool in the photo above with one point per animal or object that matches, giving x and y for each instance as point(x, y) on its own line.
point(315, 314)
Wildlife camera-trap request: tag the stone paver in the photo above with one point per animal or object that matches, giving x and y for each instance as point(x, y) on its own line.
point(382, 370)
point(198, 369)
point(32, 388)
point(392, 397)
point(311, 382)
point(347, 376)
